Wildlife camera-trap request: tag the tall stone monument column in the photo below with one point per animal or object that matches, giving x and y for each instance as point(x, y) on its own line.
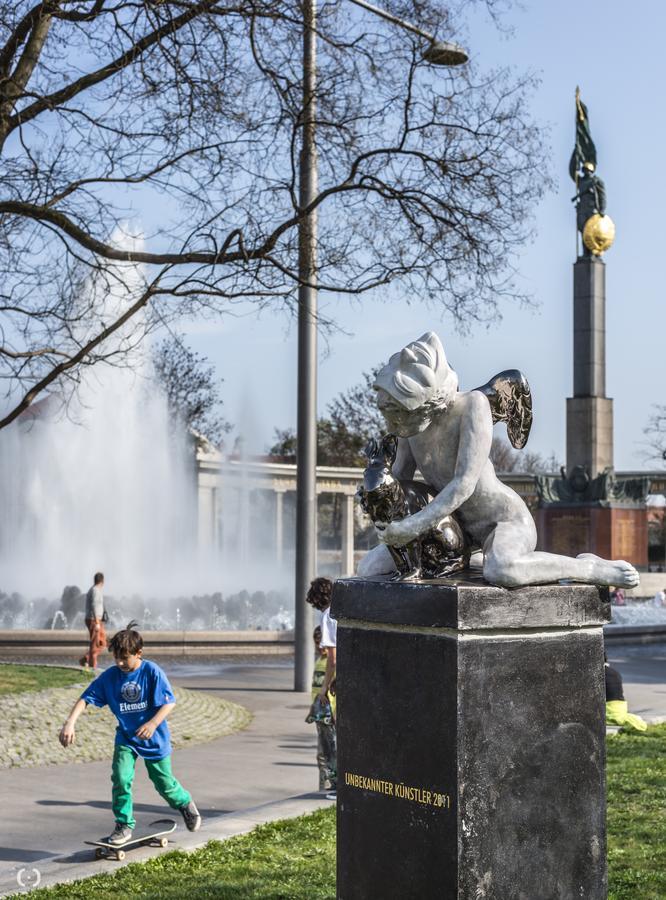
point(588, 509)
point(589, 411)
point(471, 741)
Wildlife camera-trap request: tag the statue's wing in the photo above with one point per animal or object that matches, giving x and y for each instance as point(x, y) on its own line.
point(510, 401)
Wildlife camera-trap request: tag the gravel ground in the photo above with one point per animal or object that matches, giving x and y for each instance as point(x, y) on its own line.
point(32, 720)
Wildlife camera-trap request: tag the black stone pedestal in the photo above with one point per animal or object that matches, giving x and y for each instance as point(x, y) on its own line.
point(470, 741)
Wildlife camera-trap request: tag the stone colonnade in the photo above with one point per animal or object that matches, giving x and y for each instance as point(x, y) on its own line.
point(218, 478)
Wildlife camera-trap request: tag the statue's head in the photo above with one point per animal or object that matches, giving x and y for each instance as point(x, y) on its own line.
point(415, 385)
point(589, 167)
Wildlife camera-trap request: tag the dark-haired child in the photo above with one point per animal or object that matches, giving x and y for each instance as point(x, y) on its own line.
point(139, 694)
point(319, 595)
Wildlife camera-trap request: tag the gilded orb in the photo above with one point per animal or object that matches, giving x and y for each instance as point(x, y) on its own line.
point(598, 234)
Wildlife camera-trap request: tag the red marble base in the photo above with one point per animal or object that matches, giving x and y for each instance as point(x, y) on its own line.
point(613, 533)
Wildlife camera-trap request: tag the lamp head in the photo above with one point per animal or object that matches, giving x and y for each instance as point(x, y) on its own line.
point(445, 53)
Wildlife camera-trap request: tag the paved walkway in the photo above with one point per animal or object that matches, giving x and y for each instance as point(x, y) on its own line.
point(266, 771)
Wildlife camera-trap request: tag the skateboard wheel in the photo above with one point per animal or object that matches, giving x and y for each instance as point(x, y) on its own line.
point(164, 842)
point(120, 854)
point(99, 853)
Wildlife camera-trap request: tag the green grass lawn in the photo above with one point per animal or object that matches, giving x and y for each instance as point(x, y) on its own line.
point(295, 859)
point(636, 767)
point(16, 679)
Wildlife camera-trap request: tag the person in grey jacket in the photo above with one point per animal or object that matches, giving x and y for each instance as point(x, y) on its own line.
point(94, 621)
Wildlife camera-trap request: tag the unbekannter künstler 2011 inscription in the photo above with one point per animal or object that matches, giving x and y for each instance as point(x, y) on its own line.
point(399, 790)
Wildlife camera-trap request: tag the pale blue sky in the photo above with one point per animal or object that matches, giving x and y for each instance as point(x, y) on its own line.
point(614, 51)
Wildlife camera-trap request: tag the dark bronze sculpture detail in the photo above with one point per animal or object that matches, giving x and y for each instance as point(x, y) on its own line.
point(442, 550)
point(510, 401)
point(590, 198)
point(603, 490)
point(584, 151)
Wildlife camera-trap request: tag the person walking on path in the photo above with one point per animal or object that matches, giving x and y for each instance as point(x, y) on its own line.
point(139, 694)
point(319, 596)
point(323, 715)
point(94, 619)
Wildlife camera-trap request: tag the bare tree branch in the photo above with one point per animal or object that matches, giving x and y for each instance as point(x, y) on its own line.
point(57, 98)
point(182, 120)
point(77, 358)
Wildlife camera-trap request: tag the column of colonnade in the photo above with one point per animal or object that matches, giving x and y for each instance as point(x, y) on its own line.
point(347, 548)
point(210, 499)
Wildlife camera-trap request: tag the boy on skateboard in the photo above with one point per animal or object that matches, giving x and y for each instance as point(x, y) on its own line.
point(139, 694)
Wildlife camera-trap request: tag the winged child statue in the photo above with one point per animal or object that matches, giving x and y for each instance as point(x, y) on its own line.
point(446, 434)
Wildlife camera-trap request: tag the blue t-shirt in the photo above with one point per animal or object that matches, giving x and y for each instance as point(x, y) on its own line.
point(133, 698)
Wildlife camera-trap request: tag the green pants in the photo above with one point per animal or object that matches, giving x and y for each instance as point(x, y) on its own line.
point(159, 772)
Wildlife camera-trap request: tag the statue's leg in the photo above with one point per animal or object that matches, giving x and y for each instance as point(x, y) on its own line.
point(402, 558)
point(452, 566)
point(407, 560)
point(377, 561)
point(511, 561)
point(415, 557)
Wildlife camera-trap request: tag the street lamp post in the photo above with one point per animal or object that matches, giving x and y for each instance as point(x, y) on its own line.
point(441, 53)
point(306, 427)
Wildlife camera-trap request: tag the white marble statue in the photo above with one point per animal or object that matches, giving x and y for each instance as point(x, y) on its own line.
point(446, 434)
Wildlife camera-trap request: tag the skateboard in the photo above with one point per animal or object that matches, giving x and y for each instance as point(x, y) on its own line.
point(320, 712)
point(104, 850)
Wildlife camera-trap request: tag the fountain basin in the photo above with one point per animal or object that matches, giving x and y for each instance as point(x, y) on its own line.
point(47, 642)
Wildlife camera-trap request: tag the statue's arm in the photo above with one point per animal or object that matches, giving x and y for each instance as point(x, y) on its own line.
point(476, 434)
point(601, 197)
point(404, 466)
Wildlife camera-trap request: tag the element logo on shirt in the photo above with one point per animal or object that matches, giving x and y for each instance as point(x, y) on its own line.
point(131, 691)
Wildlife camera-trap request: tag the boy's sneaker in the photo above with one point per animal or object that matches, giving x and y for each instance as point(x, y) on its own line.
point(190, 814)
point(121, 835)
